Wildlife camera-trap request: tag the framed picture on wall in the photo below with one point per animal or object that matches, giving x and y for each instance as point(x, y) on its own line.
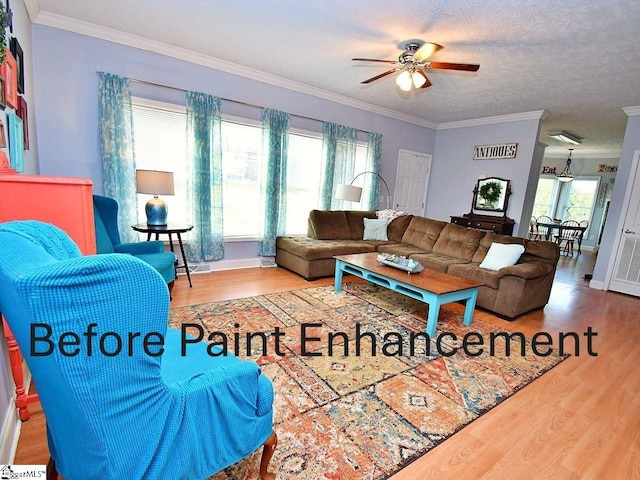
point(3, 105)
point(23, 114)
point(16, 51)
point(16, 142)
point(9, 73)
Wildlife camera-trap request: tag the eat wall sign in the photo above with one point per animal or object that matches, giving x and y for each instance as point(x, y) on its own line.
point(499, 150)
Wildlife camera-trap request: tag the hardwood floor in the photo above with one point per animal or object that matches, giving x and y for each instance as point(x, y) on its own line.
point(581, 420)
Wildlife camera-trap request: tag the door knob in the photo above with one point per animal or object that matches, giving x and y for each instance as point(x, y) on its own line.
point(629, 231)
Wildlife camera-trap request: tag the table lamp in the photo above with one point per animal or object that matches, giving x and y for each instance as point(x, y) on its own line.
point(154, 182)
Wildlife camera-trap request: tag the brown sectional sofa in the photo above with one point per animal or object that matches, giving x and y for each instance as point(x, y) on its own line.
point(446, 247)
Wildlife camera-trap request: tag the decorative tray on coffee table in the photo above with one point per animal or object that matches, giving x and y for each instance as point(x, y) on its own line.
point(402, 263)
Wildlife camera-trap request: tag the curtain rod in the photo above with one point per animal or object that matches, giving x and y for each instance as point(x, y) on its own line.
point(253, 105)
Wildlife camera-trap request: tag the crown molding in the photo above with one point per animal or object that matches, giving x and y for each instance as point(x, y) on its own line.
point(514, 117)
point(33, 9)
point(631, 111)
point(111, 35)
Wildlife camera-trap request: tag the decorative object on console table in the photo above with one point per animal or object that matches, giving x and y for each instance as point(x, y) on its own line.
point(491, 194)
point(16, 142)
point(8, 70)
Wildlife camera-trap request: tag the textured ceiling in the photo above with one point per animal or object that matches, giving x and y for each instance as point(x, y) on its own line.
point(579, 60)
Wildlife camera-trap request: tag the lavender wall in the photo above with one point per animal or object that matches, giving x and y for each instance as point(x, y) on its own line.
point(454, 173)
point(606, 254)
point(67, 89)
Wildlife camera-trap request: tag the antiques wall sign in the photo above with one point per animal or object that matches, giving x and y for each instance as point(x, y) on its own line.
point(499, 150)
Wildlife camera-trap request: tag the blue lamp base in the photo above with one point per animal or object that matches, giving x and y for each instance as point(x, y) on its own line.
point(156, 211)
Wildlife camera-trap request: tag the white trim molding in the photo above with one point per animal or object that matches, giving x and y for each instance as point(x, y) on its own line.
point(136, 41)
point(514, 117)
point(631, 111)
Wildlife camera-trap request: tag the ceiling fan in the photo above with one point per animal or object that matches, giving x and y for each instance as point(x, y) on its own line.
point(413, 62)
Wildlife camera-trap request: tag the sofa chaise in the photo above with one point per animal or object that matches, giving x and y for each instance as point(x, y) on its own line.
point(509, 292)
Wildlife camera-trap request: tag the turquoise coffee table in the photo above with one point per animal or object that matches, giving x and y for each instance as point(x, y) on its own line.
point(429, 286)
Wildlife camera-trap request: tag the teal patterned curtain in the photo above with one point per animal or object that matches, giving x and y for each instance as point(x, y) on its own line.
point(339, 145)
point(204, 179)
point(371, 190)
point(275, 141)
point(116, 146)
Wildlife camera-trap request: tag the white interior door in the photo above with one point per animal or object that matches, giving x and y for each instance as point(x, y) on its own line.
point(412, 181)
point(626, 270)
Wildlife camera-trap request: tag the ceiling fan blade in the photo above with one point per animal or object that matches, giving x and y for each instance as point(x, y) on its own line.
point(373, 60)
point(426, 50)
point(389, 72)
point(467, 67)
point(427, 82)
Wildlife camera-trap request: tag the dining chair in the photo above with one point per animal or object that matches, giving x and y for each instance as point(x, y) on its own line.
point(533, 229)
point(543, 232)
point(566, 238)
point(122, 396)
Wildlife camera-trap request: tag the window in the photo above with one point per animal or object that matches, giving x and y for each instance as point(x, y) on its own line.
point(546, 197)
point(160, 144)
point(241, 173)
point(580, 198)
point(304, 173)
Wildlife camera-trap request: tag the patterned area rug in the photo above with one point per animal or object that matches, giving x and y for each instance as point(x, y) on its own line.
point(355, 416)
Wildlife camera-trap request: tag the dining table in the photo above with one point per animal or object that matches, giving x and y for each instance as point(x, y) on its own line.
point(552, 226)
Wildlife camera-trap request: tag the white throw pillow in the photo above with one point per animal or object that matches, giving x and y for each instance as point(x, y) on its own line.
point(375, 229)
point(502, 255)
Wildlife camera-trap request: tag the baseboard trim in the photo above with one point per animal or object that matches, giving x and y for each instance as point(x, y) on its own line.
point(206, 267)
point(596, 285)
point(10, 434)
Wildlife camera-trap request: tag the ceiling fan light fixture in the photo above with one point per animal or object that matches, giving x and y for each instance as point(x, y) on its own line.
point(404, 81)
point(565, 137)
point(418, 79)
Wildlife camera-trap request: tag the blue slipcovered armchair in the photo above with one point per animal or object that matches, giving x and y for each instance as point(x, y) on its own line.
point(123, 409)
point(105, 211)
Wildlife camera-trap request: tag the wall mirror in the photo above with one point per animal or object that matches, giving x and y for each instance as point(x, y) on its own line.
point(492, 194)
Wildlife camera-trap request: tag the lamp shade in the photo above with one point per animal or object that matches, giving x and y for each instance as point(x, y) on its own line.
point(404, 81)
point(349, 193)
point(154, 182)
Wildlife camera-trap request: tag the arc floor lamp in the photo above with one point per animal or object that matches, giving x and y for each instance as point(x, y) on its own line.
point(352, 193)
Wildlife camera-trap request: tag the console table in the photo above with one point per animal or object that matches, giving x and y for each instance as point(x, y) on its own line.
point(493, 223)
point(169, 229)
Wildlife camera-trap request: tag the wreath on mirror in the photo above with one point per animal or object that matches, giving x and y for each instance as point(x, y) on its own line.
point(490, 191)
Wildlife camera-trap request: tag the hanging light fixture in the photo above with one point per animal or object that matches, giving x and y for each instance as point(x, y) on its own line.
point(566, 175)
